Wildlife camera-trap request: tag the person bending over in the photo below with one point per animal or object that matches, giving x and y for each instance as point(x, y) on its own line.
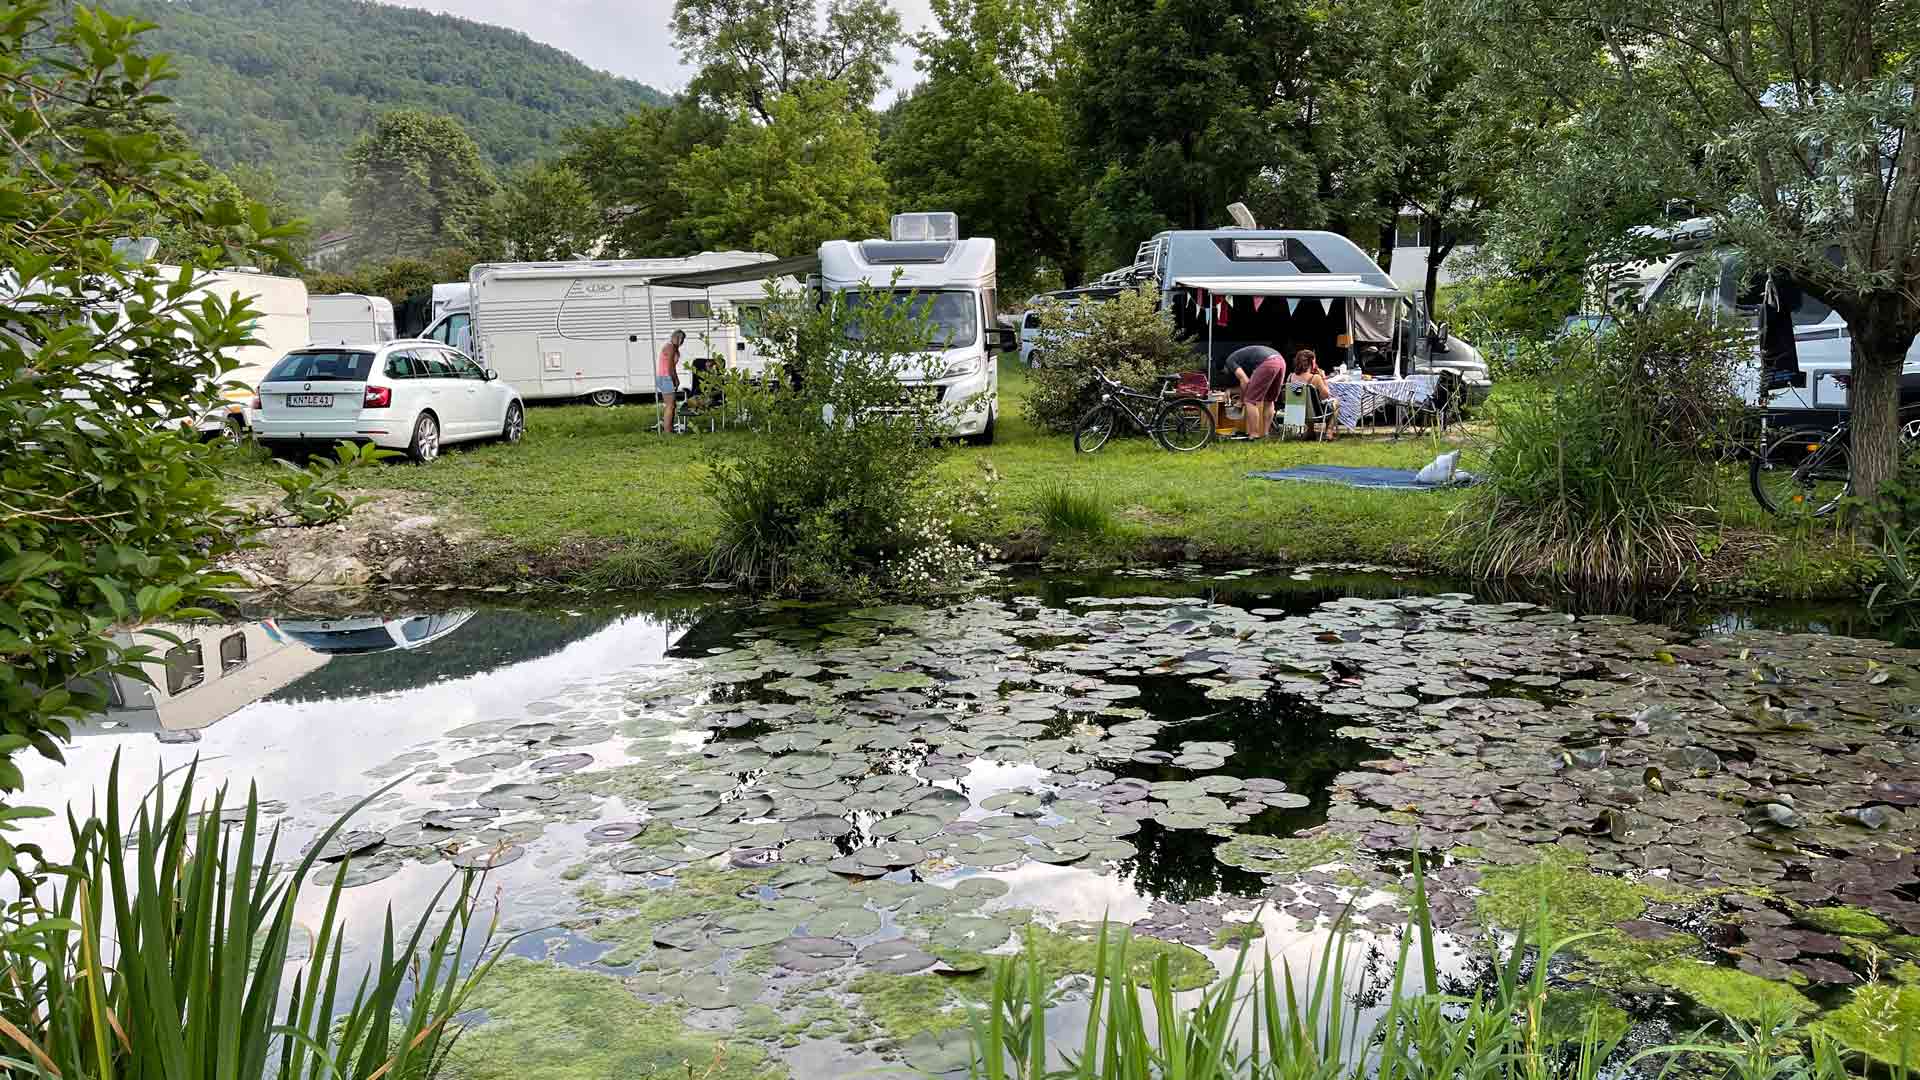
point(1262, 374)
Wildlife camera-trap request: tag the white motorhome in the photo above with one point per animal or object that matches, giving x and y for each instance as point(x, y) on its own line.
point(349, 319)
point(952, 282)
point(211, 673)
point(592, 329)
point(1713, 280)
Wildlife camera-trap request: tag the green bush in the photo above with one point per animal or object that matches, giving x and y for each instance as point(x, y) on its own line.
point(1601, 470)
point(1128, 337)
point(1068, 512)
point(832, 496)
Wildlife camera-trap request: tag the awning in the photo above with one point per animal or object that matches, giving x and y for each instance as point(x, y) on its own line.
point(1306, 285)
point(798, 266)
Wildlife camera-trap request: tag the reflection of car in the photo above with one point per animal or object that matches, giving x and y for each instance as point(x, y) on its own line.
point(414, 395)
point(347, 637)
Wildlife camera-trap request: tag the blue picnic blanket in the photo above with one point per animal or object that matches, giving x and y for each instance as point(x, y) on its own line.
point(1356, 476)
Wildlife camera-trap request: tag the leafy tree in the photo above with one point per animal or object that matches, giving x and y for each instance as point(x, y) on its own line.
point(417, 182)
point(1128, 337)
point(986, 134)
point(751, 52)
point(806, 176)
point(285, 84)
point(110, 515)
point(544, 212)
point(1793, 124)
point(1180, 107)
point(630, 165)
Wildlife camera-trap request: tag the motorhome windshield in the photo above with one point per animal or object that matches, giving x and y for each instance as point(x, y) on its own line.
point(953, 317)
point(322, 366)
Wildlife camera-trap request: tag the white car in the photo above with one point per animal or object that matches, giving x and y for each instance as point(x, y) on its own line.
point(414, 395)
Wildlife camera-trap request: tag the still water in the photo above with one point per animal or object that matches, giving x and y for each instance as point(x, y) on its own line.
point(758, 815)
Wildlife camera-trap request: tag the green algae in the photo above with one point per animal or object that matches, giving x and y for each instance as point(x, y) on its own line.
point(1881, 1021)
point(1846, 921)
point(1235, 934)
point(697, 890)
point(576, 871)
point(548, 1022)
point(1578, 900)
point(903, 1006)
point(634, 783)
point(1904, 944)
point(1730, 992)
point(1284, 855)
point(1567, 1015)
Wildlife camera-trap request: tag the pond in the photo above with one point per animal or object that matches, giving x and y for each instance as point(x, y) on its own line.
point(772, 837)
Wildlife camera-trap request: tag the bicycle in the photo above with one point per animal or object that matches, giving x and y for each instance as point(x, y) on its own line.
point(1809, 472)
point(1180, 422)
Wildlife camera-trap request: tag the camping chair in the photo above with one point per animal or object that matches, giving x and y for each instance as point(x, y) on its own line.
point(1440, 410)
point(1304, 410)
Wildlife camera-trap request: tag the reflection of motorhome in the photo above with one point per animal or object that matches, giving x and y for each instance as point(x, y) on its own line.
point(349, 319)
point(349, 637)
point(214, 671)
point(1714, 281)
point(1286, 288)
point(952, 282)
point(593, 329)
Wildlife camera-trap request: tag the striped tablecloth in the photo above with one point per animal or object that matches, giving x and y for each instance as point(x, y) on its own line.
point(1360, 399)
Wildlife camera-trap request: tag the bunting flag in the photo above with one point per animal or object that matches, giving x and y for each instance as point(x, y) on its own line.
point(1293, 304)
point(1226, 309)
point(1256, 302)
point(1326, 304)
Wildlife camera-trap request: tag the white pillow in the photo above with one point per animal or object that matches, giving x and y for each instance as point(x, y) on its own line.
point(1440, 469)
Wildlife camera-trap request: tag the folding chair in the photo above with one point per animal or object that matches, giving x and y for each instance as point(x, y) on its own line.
point(1439, 411)
point(1304, 410)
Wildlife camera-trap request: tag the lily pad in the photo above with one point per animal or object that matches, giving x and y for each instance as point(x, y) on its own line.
point(896, 957)
point(615, 832)
point(469, 817)
point(488, 856)
point(972, 934)
point(812, 954)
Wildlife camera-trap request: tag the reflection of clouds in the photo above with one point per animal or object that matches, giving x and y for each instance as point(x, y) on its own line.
point(1070, 894)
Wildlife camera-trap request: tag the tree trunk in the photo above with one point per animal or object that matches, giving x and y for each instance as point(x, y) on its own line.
point(1882, 331)
point(1436, 254)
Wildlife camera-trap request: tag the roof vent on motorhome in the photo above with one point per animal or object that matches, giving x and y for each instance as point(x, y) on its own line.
point(926, 226)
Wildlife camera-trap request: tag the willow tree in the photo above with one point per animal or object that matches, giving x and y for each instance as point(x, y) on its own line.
point(1790, 122)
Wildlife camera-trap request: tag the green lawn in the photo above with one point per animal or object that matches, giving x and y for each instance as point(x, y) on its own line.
point(602, 480)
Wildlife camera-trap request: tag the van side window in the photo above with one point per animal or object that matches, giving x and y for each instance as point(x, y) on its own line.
point(689, 309)
point(458, 331)
point(185, 668)
point(233, 652)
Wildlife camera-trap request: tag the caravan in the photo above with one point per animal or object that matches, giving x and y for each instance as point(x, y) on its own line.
point(349, 319)
point(591, 330)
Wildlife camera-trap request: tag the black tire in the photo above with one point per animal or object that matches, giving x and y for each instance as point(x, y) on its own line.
point(606, 399)
point(985, 435)
point(233, 431)
point(1094, 429)
point(1802, 474)
point(514, 426)
point(1183, 424)
point(425, 444)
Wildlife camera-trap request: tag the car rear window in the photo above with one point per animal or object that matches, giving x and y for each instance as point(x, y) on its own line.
point(322, 366)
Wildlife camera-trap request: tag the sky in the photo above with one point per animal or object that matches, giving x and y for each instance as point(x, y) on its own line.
point(626, 37)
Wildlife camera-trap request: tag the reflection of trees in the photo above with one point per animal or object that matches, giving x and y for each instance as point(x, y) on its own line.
point(1178, 865)
point(492, 639)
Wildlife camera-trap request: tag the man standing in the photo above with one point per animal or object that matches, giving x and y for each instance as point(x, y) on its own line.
point(666, 379)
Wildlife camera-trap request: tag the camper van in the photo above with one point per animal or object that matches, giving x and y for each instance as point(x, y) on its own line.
point(951, 282)
point(1713, 280)
point(349, 319)
point(592, 329)
point(1293, 288)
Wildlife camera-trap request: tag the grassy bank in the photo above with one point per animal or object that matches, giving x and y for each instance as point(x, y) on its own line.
point(591, 485)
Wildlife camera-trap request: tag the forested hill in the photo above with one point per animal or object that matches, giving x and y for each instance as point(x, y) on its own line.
point(291, 83)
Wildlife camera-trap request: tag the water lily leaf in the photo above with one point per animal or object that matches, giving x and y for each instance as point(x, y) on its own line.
point(900, 680)
point(747, 929)
point(941, 1052)
point(486, 763)
point(753, 858)
point(562, 763)
point(853, 867)
point(487, 857)
point(615, 832)
point(848, 921)
point(356, 872)
point(896, 957)
point(518, 796)
point(689, 933)
point(972, 933)
point(350, 843)
point(647, 862)
point(891, 854)
point(980, 888)
point(812, 954)
point(418, 834)
point(911, 828)
point(708, 993)
point(818, 827)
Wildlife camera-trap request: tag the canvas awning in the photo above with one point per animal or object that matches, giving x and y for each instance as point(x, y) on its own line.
point(1304, 285)
point(798, 266)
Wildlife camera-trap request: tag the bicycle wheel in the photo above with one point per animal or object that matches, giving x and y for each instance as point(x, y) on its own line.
point(1094, 429)
point(1183, 424)
point(1802, 474)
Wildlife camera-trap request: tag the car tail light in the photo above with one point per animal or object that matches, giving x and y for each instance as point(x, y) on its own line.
point(378, 397)
point(256, 403)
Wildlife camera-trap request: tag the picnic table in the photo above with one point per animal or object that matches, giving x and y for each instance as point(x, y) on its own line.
point(1362, 398)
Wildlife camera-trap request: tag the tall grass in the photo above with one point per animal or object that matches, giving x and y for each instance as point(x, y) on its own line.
point(161, 951)
point(1264, 1023)
point(1068, 512)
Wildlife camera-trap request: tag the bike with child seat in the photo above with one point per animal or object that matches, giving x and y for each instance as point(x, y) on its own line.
point(1807, 473)
point(1179, 422)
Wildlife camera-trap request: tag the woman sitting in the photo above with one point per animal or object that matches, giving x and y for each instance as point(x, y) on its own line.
point(1306, 372)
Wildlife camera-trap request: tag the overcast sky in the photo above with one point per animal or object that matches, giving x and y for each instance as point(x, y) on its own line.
point(626, 37)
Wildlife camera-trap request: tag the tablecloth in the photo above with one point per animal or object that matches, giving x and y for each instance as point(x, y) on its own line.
point(1360, 399)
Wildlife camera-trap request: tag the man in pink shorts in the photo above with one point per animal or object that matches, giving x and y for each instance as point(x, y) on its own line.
point(1262, 374)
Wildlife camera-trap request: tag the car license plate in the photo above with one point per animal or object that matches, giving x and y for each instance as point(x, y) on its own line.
point(309, 401)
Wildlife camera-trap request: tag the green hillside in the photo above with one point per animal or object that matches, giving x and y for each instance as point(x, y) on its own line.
point(290, 84)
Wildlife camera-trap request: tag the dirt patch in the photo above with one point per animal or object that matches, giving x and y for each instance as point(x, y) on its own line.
point(388, 540)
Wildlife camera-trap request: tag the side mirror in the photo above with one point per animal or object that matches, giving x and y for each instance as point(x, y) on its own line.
point(1003, 339)
point(1445, 334)
point(492, 374)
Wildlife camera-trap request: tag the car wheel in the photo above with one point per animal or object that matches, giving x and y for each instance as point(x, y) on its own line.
point(515, 424)
point(606, 399)
point(426, 439)
point(233, 431)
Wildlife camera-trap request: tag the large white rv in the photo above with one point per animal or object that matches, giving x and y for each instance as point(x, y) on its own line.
point(592, 330)
point(949, 280)
point(349, 319)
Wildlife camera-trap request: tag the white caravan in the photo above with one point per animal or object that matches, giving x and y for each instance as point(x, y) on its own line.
point(951, 281)
point(349, 319)
point(592, 329)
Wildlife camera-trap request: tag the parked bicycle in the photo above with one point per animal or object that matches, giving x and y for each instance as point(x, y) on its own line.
point(1176, 421)
point(1808, 472)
